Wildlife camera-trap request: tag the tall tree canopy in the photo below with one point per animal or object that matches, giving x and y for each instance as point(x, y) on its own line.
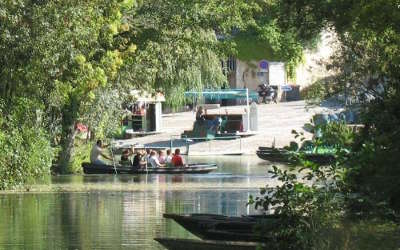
point(61, 53)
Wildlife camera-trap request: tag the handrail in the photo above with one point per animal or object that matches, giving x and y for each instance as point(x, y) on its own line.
point(187, 139)
point(210, 139)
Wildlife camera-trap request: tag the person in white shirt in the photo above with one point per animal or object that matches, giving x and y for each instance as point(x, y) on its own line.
point(97, 151)
point(162, 158)
point(154, 160)
point(169, 156)
point(147, 156)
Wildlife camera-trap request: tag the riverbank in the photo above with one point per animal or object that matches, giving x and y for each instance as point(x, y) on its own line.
point(275, 123)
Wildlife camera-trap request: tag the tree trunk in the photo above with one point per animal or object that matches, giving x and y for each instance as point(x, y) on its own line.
point(69, 118)
point(67, 150)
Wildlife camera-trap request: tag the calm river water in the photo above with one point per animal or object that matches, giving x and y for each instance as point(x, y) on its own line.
point(124, 212)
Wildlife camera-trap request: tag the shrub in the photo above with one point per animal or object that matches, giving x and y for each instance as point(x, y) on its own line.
point(26, 153)
point(81, 154)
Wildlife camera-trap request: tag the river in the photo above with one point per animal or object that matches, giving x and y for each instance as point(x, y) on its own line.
point(125, 211)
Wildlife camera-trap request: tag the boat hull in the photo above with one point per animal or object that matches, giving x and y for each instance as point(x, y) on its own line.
point(89, 168)
point(184, 244)
point(274, 156)
point(220, 227)
point(284, 156)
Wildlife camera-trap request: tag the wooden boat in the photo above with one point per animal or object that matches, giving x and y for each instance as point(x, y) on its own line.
point(197, 168)
point(220, 227)
point(184, 244)
point(272, 149)
point(285, 156)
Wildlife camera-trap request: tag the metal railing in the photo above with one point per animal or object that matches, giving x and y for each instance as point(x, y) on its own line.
point(187, 142)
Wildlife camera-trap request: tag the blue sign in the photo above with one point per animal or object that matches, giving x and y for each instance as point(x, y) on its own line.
point(286, 88)
point(263, 64)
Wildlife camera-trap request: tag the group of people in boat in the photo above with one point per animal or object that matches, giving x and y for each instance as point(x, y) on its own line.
point(141, 159)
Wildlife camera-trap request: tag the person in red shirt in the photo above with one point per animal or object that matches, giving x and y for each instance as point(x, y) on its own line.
point(177, 160)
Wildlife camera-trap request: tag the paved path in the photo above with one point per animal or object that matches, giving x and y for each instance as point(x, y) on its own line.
point(275, 122)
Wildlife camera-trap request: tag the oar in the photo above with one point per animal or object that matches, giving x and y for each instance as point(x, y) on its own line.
point(147, 171)
point(112, 154)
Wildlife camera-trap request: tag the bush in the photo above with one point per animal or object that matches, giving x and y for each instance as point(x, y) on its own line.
point(317, 92)
point(26, 153)
point(81, 154)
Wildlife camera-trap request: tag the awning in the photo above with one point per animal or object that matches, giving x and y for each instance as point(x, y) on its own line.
point(223, 94)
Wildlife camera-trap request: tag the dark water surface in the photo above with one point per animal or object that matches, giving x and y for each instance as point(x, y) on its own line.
point(125, 212)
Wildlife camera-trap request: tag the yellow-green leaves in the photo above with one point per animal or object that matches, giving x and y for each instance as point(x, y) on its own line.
point(80, 59)
point(127, 4)
point(111, 63)
point(132, 48)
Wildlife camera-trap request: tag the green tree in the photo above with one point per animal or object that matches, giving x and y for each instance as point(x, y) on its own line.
point(25, 152)
point(60, 53)
point(76, 53)
point(363, 183)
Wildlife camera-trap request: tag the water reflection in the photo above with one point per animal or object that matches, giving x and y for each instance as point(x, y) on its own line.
point(124, 212)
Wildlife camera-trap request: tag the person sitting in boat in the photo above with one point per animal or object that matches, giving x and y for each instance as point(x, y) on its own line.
point(169, 157)
point(147, 156)
point(125, 157)
point(139, 161)
point(97, 151)
point(154, 160)
point(161, 157)
point(177, 159)
point(201, 114)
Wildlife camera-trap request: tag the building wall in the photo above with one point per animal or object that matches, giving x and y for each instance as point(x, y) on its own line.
point(250, 75)
point(313, 67)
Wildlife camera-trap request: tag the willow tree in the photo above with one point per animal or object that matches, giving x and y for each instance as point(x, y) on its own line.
point(177, 49)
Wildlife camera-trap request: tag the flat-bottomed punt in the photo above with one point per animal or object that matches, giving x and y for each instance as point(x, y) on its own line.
point(285, 156)
point(197, 168)
point(220, 227)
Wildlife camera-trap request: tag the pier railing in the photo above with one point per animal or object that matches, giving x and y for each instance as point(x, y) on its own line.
point(226, 145)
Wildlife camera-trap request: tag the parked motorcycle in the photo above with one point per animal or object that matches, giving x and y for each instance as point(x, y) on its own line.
point(267, 94)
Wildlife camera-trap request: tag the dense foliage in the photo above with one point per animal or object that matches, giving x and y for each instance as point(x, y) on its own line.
point(363, 183)
point(274, 32)
point(59, 54)
point(25, 152)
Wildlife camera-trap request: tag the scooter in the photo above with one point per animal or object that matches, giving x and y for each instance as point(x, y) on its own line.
point(267, 93)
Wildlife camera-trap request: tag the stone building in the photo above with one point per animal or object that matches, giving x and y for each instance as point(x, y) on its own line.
point(250, 74)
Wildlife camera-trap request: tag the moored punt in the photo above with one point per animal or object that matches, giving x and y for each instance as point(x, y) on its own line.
point(184, 244)
point(220, 227)
point(197, 168)
point(271, 149)
point(274, 156)
point(285, 156)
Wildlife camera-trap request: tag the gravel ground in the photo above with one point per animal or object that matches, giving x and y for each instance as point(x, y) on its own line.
point(275, 122)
